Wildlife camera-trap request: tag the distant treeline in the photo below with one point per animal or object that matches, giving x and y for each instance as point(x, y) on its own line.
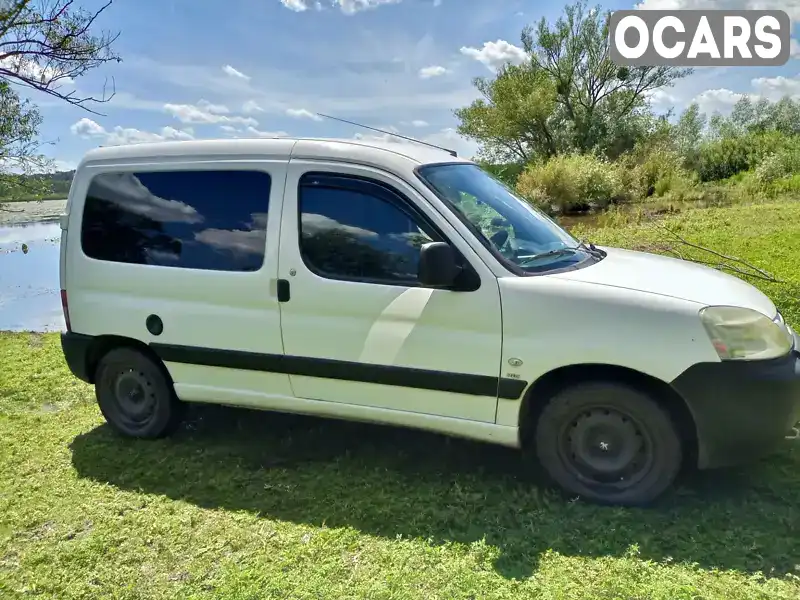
point(40, 186)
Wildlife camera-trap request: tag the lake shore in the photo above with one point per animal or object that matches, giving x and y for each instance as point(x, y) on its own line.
point(30, 212)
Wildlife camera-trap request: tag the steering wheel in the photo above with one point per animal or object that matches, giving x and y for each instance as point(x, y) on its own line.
point(499, 239)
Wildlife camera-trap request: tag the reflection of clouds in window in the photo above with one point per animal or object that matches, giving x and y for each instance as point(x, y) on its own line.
point(315, 223)
point(259, 220)
point(126, 191)
point(162, 256)
point(239, 241)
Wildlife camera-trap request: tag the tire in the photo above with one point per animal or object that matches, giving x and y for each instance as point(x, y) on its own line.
point(608, 443)
point(135, 395)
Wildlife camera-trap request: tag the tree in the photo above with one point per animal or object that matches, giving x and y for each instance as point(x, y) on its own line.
point(515, 119)
point(44, 45)
point(568, 96)
point(19, 147)
point(688, 132)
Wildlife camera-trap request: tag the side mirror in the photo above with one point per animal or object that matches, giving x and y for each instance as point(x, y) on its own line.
point(438, 266)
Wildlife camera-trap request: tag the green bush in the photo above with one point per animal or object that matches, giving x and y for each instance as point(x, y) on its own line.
point(779, 165)
point(571, 183)
point(655, 170)
point(723, 158)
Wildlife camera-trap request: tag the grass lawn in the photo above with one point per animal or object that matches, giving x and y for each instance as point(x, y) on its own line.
point(243, 505)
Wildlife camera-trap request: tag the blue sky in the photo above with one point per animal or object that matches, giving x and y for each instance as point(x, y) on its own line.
point(244, 68)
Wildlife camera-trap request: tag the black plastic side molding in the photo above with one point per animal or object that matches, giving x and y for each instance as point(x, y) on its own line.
point(459, 383)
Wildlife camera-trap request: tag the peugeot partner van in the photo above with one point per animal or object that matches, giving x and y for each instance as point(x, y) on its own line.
point(397, 284)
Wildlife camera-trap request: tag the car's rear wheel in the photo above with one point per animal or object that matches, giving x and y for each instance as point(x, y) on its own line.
point(608, 443)
point(135, 395)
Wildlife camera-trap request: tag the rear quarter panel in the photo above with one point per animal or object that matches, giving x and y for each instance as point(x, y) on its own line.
point(204, 308)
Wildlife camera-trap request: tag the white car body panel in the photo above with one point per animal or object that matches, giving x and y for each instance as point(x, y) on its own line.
point(672, 277)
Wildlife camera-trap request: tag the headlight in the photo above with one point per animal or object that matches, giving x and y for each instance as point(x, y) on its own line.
point(745, 334)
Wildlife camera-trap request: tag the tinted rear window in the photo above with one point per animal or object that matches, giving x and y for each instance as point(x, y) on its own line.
point(212, 220)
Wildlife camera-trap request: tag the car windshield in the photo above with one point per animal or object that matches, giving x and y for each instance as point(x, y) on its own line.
point(523, 235)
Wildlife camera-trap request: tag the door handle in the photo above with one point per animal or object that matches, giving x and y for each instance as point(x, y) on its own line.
point(283, 290)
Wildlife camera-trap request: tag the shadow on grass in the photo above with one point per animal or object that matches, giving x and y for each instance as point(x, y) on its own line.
point(390, 482)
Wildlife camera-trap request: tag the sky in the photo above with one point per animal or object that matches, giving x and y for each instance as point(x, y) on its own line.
point(249, 68)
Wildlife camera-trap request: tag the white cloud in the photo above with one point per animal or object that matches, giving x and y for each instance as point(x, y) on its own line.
point(348, 7)
point(445, 138)
point(295, 5)
point(717, 100)
point(217, 109)
point(661, 99)
point(253, 132)
point(30, 69)
point(775, 88)
point(360, 79)
point(249, 132)
point(251, 106)
point(495, 54)
point(229, 70)
point(88, 129)
point(450, 139)
point(419, 123)
point(302, 113)
point(205, 112)
point(791, 7)
point(432, 71)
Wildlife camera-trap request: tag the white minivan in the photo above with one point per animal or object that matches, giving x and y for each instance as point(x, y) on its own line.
point(398, 284)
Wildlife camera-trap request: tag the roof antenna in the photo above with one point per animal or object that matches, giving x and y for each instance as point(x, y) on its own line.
point(410, 139)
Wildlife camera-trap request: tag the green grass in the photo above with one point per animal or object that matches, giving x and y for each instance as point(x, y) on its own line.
point(242, 504)
point(765, 234)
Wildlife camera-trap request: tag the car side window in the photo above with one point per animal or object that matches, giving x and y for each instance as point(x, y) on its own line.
point(359, 230)
point(208, 220)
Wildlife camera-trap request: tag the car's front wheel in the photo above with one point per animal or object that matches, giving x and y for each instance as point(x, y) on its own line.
point(609, 443)
point(135, 395)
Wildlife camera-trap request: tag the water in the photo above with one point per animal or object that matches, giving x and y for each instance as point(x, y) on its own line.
point(29, 289)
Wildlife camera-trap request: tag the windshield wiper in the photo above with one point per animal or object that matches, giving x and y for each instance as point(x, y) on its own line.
point(555, 252)
point(590, 248)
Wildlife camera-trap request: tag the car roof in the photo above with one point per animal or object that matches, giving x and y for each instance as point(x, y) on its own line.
point(374, 152)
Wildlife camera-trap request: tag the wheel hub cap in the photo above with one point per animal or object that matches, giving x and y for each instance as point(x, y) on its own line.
point(605, 446)
point(134, 395)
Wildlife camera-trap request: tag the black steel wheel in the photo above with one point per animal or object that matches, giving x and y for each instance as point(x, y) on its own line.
point(608, 443)
point(135, 396)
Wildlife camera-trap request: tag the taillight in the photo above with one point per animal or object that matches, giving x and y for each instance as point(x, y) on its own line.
point(65, 308)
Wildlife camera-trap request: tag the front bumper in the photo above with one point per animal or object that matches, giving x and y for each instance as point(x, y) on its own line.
point(742, 410)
